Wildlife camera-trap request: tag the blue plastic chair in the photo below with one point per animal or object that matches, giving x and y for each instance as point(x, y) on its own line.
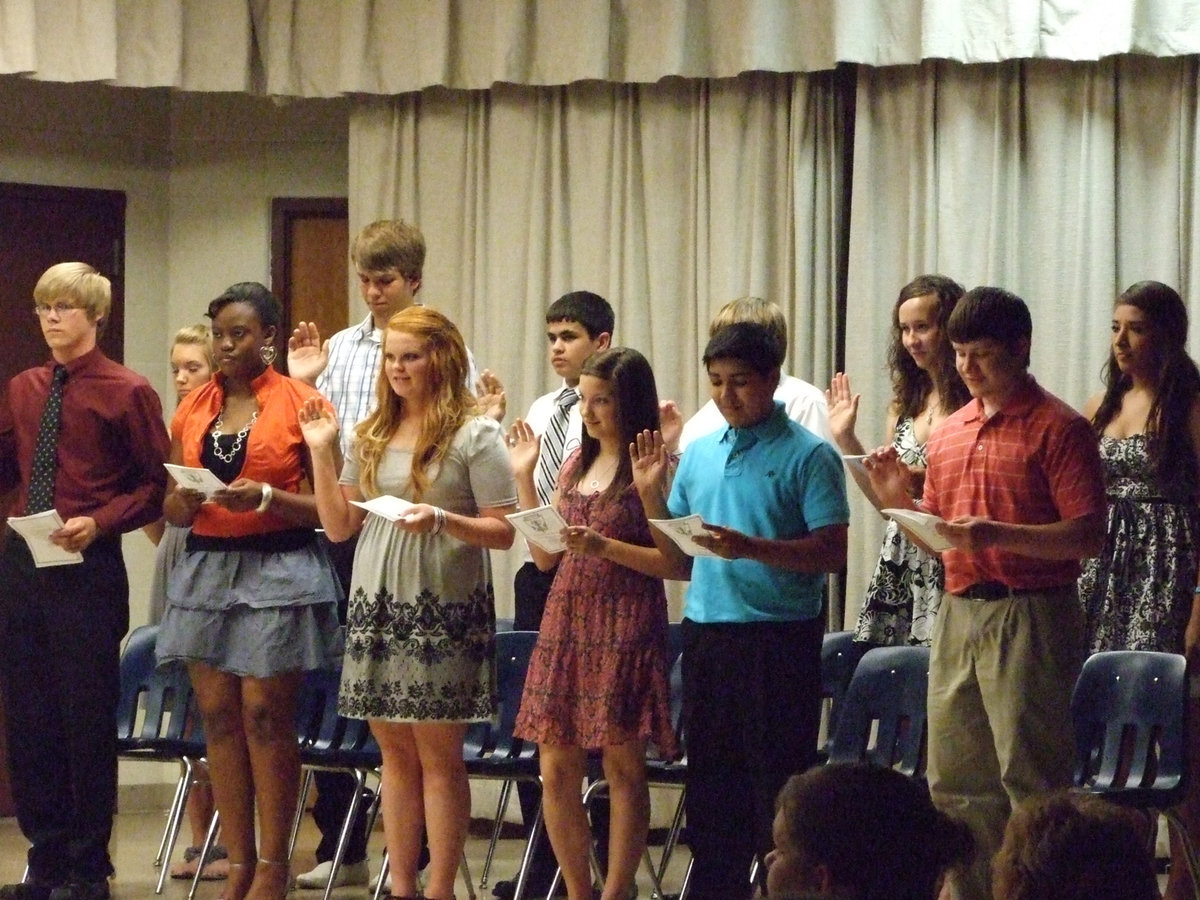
point(882, 716)
point(330, 741)
point(1129, 709)
point(496, 753)
point(157, 722)
point(839, 657)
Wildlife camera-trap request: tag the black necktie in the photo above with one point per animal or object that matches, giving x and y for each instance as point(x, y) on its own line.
point(45, 452)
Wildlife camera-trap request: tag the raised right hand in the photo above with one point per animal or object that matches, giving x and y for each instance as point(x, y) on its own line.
point(648, 455)
point(524, 444)
point(307, 356)
point(670, 422)
point(843, 410)
point(317, 424)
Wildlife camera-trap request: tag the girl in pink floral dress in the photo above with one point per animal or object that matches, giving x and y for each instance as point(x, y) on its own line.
point(598, 679)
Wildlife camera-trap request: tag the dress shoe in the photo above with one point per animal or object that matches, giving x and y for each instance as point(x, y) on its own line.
point(536, 887)
point(28, 891)
point(348, 874)
point(78, 889)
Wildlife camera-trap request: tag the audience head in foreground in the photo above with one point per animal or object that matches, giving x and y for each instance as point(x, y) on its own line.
point(861, 832)
point(1069, 845)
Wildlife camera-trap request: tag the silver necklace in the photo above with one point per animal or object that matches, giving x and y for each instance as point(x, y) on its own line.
point(239, 438)
point(595, 482)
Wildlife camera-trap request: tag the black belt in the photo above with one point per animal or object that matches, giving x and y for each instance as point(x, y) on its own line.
point(998, 590)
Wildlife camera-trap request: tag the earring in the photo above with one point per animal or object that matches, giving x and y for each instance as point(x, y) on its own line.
point(268, 354)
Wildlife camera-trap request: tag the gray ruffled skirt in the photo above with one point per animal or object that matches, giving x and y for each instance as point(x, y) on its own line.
point(253, 613)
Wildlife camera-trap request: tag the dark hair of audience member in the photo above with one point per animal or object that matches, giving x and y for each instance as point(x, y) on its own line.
point(874, 833)
point(1069, 845)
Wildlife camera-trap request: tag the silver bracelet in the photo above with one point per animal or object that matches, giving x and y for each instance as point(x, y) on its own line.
point(268, 494)
point(439, 520)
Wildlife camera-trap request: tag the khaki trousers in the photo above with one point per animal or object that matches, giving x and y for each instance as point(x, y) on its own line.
point(1000, 680)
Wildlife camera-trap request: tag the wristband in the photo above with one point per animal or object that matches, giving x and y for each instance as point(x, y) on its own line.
point(268, 494)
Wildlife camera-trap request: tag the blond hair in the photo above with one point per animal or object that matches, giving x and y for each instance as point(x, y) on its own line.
point(390, 244)
point(755, 310)
point(197, 335)
point(79, 283)
point(449, 407)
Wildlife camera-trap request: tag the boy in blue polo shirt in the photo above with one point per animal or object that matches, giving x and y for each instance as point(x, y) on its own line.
point(773, 498)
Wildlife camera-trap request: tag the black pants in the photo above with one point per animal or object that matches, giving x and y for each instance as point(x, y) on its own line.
point(336, 789)
point(531, 586)
point(751, 714)
point(60, 644)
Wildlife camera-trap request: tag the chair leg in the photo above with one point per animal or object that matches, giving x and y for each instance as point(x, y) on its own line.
point(535, 831)
point(177, 802)
point(687, 880)
point(497, 826)
point(656, 888)
point(466, 875)
point(673, 834)
point(175, 817)
point(305, 787)
point(1189, 849)
point(384, 871)
point(360, 778)
point(214, 827)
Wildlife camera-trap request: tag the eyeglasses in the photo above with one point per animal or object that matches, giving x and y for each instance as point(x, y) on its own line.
point(60, 308)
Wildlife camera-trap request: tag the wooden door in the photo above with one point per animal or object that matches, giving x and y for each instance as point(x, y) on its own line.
point(41, 226)
point(310, 263)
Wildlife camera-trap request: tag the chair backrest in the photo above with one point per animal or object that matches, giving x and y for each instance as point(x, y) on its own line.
point(882, 716)
point(1129, 709)
point(839, 656)
point(319, 728)
point(513, 651)
point(154, 703)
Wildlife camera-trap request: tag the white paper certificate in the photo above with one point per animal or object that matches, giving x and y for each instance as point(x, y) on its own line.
point(542, 526)
point(196, 478)
point(921, 524)
point(854, 462)
point(36, 530)
point(386, 506)
point(681, 531)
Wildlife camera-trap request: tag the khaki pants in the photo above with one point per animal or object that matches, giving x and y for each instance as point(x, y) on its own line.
point(1000, 680)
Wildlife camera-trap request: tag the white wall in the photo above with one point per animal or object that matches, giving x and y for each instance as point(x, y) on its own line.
point(199, 172)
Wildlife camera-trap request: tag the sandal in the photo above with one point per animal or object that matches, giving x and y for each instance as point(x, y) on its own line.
point(191, 861)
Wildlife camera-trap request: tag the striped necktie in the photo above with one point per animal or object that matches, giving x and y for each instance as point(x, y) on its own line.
point(553, 441)
point(45, 451)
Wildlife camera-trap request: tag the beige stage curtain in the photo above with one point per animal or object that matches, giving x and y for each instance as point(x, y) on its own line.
point(667, 199)
point(322, 48)
point(1063, 182)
